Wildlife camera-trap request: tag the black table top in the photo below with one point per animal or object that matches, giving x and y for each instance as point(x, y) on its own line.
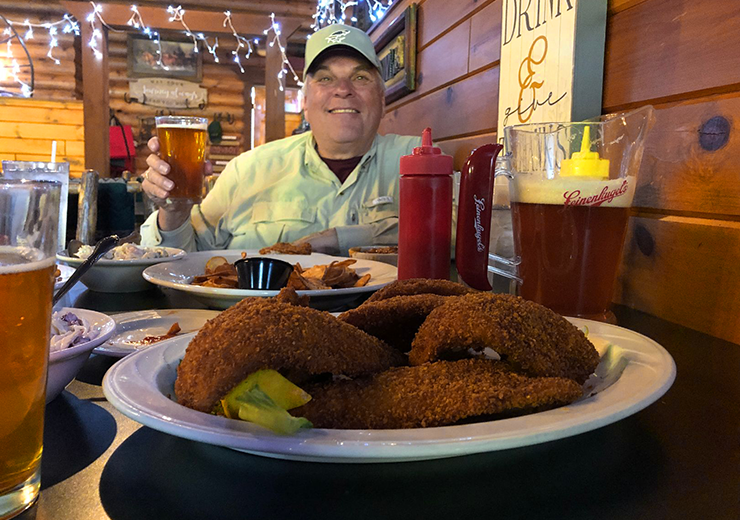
point(678, 458)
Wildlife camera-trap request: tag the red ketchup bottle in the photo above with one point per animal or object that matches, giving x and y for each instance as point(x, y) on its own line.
point(425, 212)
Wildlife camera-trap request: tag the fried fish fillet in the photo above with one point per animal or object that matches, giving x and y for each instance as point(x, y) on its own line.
point(530, 337)
point(420, 286)
point(286, 248)
point(261, 333)
point(434, 394)
point(394, 320)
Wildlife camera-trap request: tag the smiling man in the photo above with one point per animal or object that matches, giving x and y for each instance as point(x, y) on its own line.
point(335, 186)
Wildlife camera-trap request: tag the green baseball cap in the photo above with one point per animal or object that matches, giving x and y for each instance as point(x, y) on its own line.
point(339, 35)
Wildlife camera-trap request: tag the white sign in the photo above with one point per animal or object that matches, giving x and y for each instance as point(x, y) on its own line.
point(168, 93)
point(552, 61)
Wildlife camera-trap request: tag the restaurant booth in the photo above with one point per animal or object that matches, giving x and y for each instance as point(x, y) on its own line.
point(678, 281)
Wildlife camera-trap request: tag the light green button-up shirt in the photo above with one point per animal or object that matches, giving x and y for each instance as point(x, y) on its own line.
point(283, 191)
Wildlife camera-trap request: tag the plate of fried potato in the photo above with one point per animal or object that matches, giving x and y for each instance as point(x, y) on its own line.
point(332, 282)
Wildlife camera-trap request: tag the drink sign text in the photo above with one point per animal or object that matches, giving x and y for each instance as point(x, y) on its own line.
point(552, 60)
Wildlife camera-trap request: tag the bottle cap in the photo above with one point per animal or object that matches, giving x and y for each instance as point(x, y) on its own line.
point(585, 163)
point(426, 159)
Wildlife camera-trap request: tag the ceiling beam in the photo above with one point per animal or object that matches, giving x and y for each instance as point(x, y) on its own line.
point(302, 8)
point(246, 24)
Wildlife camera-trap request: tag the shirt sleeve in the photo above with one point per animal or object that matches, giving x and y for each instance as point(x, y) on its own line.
point(203, 230)
point(383, 233)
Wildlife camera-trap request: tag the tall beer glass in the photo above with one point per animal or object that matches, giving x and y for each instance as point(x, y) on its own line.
point(29, 212)
point(182, 144)
point(572, 188)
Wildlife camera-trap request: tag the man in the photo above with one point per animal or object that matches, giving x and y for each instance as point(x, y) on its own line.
point(335, 186)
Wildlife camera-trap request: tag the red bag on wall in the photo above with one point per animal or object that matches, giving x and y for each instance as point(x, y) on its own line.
point(122, 144)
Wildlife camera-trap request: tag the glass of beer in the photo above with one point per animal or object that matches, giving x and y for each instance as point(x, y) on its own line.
point(182, 144)
point(28, 243)
point(572, 187)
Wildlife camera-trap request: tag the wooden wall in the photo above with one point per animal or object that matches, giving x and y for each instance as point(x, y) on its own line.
point(29, 126)
point(228, 95)
point(682, 255)
point(228, 88)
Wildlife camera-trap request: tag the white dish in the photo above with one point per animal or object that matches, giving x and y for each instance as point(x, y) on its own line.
point(119, 276)
point(65, 272)
point(631, 376)
point(64, 364)
point(178, 276)
point(132, 327)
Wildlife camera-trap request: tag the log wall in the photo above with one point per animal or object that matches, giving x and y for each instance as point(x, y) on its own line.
point(682, 254)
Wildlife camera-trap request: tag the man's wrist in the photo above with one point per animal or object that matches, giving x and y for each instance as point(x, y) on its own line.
point(169, 220)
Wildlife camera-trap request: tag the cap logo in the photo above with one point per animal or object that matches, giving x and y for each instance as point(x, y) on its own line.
point(337, 36)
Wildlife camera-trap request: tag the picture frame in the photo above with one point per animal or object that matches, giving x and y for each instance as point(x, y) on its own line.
point(396, 49)
point(180, 60)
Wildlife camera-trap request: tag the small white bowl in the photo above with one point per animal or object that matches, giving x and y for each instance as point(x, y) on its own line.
point(119, 276)
point(65, 364)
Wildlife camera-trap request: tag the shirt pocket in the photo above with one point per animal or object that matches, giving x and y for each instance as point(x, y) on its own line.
point(271, 211)
point(377, 213)
point(282, 221)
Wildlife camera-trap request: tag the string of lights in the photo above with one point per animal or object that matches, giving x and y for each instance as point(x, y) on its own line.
point(275, 28)
point(137, 22)
point(241, 42)
point(327, 12)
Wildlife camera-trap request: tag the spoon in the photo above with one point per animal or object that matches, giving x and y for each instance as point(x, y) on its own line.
point(102, 247)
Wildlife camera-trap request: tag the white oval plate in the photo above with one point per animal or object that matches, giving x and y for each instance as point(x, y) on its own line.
point(178, 276)
point(634, 372)
point(132, 327)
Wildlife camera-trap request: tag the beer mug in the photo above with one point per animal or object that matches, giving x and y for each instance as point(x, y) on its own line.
point(571, 189)
point(28, 243)
point(182, 144)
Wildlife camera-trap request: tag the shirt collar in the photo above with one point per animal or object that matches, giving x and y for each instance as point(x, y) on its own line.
point(314, 163)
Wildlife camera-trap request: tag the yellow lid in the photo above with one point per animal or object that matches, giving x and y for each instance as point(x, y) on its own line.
point(585, 163)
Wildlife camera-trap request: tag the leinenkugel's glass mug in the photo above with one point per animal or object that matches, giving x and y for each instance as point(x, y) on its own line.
point(571, 188)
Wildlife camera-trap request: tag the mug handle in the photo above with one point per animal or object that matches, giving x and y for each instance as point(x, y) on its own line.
point(474, 219)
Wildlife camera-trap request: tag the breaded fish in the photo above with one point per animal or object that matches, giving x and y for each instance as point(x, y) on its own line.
point(261, 333)
point(419, 286)
point(530, 337)
point(394, 320)
point(434, 394)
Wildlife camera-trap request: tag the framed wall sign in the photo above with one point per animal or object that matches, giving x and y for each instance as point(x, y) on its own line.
point(396, 48)
point(178, 59)
point(552, 61)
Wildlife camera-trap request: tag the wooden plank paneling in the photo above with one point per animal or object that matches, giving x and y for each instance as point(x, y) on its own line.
point(467, 107)
point(461, 147)
point(664, 48)
point(19, 114)
point(41, 131)
point(684, 270)
point(439, 15)
point(485, 36)
point(677, 174)
point(444, 60)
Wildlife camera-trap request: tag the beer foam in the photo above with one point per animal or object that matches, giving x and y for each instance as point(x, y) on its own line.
point(22, 260)
point(574, 191)
point(185, 126)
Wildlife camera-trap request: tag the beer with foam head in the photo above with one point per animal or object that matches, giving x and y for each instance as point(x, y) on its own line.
point(569, 234)
point(25, 320)
point(182, 144)
point(28, 242)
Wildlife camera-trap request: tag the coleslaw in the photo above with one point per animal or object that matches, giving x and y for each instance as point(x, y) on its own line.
point(126, 252)
point(68, 330)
